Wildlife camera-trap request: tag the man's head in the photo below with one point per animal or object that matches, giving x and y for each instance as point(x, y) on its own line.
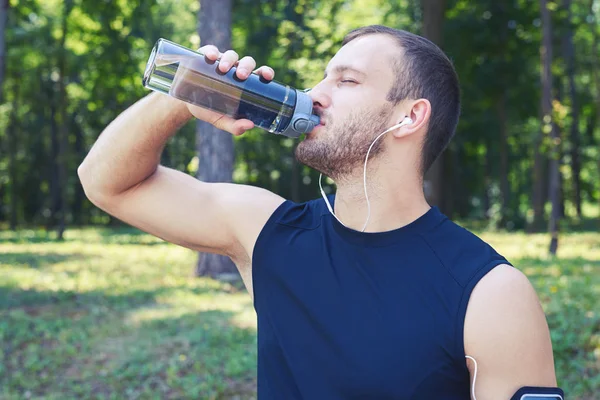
point(380, 76)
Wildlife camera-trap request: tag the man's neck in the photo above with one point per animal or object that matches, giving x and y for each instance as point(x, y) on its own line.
point(396, 200)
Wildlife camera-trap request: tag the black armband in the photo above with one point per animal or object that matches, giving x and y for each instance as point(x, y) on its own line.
point(538, 393)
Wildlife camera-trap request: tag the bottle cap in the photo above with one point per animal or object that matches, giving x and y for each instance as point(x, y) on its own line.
point(303, 120)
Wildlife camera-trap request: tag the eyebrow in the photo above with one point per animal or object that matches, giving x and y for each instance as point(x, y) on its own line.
point(340, 69)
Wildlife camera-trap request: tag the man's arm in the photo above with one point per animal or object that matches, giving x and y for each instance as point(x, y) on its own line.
point(121, 175)
point(507, 334)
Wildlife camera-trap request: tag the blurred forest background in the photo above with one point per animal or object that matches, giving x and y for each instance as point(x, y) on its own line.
point(92, 309)
point(529, 104)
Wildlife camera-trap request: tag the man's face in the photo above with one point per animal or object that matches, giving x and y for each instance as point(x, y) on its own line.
point(351, 101)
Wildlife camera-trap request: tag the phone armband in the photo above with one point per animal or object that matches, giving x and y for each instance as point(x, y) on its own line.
point(538, 393)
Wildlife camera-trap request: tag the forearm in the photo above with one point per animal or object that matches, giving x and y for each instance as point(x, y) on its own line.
point(128, 150)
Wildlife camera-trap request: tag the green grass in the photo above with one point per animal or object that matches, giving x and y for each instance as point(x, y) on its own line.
point(117, 314)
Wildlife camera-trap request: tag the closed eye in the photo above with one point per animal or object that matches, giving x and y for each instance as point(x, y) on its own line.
point(349, 81)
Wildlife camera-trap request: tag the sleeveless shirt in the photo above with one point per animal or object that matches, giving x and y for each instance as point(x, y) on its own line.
point(343, 314)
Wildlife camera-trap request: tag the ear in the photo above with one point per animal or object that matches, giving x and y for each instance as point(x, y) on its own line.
point(419, 111)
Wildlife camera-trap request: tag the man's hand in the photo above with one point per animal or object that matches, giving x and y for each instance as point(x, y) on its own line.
point(245, 67)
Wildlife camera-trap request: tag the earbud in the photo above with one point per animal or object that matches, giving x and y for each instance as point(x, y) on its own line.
point(405, 121)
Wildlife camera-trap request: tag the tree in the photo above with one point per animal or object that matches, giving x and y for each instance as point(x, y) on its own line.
point(215, 147)
point(4, 4)
point(569, 55)
point(539, 159)
point(548, 126)
point(63, 131)
point(596, 77)
point(501, 112)
point(433, 21)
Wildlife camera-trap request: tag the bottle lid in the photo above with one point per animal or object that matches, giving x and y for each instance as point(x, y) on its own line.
point(303, 120)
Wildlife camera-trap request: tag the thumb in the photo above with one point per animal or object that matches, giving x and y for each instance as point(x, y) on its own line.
point(236, 127)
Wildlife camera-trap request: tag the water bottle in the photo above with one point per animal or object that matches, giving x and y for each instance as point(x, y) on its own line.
point(187, 75)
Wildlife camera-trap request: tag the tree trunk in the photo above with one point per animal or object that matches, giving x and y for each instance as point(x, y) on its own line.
point(433, 22)
point(54, 150)
point(538, 186)
point(215, 147)
point(79, 196)
point(4, 5)
point(503, 149)
point(539, 159)
point(63, 126)
point(12, 152)
point(487, 179)
point(560, 99)
point(569, 55)
point(596, 75)
point(547, 124)
point(506, 214)
point(448, 184)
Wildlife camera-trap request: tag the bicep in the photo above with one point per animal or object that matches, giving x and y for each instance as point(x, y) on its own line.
point(210, 217)
point(507, 334)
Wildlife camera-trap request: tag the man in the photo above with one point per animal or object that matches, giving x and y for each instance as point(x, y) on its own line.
point(393, 312)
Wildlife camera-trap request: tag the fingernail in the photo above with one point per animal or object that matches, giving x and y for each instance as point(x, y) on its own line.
point(242, 72)
point(225, 65)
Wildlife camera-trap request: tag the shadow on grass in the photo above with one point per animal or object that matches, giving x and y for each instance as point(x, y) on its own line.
point(197, 355)
point(100, 235)
point(91, 345)
point(127, 236)
point(38, 259)
point(27, 236)
point(12, 297)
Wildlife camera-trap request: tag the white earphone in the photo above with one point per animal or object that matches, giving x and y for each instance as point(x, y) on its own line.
point(405, 121)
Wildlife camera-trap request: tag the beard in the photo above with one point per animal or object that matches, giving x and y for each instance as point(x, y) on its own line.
point(341, 146)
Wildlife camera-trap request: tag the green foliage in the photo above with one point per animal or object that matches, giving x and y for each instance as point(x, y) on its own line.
point(116, 314)
point(494, 45)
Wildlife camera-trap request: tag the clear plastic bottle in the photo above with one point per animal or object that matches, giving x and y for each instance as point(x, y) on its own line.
point(187, 75)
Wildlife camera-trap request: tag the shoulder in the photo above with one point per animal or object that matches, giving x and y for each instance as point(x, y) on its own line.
point(501, 290)
point(286, 219)
point(465, 255)
point(506, 332)
point(306, 215)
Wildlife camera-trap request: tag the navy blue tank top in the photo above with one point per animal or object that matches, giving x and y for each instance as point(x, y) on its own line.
point(350, 315)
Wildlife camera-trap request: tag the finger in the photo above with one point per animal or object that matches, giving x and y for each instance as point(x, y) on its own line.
point(228, 59)
point(245, 66)
point(233, 126)
point(240, 126)
point(211, 52)
point(266, 72)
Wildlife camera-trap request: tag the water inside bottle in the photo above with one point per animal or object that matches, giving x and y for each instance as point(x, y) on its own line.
point(198, 81)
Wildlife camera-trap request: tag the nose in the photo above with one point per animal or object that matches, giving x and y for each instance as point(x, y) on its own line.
point(319, 96)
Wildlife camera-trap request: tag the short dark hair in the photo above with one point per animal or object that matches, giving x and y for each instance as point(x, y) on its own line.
point(424, 72)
